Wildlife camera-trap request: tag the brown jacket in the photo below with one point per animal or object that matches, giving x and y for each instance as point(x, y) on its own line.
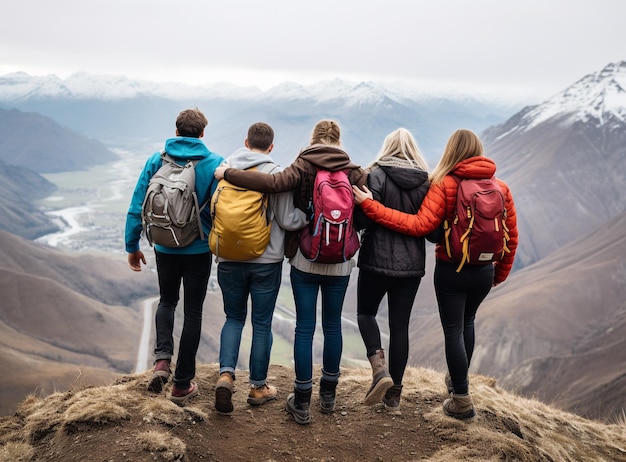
point(299, 176)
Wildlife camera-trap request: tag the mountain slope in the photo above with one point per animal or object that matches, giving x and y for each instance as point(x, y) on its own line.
point(38, 143)
point(103, 279)
point(50, 333)
point(19, 186)
point(566, 309)
point(73, 319)
point(63, 318)
point(564, 161)
point(589, 381)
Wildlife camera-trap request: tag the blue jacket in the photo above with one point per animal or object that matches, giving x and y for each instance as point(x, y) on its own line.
point(183, 149)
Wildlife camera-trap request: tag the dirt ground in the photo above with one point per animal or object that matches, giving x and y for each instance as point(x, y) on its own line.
point(124, 422)
point(268, 432)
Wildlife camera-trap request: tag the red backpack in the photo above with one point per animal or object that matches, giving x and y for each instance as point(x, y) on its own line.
point(330, 236)
point(478, 234)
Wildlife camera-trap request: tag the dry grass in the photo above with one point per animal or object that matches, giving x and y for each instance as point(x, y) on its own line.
point(82, 424)
point(16, 452)
point(168, 447)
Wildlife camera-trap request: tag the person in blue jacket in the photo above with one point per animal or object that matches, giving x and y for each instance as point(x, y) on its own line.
point(190, 265)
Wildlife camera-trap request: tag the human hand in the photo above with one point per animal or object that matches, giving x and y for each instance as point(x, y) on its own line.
point(135, 259)
point(361, 194)
point(219, 172)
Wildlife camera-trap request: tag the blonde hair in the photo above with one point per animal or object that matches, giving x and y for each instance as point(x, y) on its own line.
point(326, 132)
point(401, 144)
point(461, 145)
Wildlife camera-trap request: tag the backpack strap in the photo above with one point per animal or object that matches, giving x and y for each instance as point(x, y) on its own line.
point(447, 228)
point(268, 168)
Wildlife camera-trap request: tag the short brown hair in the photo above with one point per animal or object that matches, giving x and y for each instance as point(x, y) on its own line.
point(260, 136)
point(191, 123)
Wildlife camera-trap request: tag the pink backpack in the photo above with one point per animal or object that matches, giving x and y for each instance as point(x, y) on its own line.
point(478, 234)
point(330, 236)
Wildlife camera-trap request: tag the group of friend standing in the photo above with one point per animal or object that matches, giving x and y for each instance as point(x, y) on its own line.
point(399, 204)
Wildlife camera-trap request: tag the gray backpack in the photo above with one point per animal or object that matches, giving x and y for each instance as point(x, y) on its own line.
point(170, 211)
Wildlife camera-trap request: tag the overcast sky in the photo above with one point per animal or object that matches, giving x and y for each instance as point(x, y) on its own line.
point(535, 46)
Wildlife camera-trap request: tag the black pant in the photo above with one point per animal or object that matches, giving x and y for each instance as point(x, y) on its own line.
point(371, 288)
point(458, 297)
point(193, 271)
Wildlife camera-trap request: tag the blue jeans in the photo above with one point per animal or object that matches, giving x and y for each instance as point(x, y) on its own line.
point(261, 281)
point(306, 287)
point(459, 295)
point(193, 271)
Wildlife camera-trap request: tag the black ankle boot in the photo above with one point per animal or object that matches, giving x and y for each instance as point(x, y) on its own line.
point(298, 405)
point(327, 396)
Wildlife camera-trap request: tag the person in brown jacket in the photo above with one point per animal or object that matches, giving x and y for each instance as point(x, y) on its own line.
point(459, 294)
point(307, 277)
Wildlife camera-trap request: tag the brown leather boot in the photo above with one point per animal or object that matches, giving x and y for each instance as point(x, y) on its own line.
point(459, 406)
point(224, 393)
point(381, 380)
point(261, 394)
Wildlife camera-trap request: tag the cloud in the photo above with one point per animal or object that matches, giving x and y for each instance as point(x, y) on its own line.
point(537, 44)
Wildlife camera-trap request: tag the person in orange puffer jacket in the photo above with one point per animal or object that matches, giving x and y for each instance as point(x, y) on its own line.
point(459, 294)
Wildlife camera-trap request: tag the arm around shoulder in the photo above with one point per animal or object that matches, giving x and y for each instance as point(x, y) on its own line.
point(285, 180)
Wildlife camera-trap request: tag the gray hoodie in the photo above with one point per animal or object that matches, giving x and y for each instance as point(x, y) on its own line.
point(282, 211)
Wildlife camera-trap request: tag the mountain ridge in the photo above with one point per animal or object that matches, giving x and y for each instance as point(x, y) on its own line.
point(142, 112)
point(124, 421)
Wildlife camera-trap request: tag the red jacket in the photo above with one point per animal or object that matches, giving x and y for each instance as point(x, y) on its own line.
point(439, 204)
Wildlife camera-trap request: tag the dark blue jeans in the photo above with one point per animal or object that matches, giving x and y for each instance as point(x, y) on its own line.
point(371, 289)
point(193, 271)
point(459, 295)
point(306, 287)
point(260, 281)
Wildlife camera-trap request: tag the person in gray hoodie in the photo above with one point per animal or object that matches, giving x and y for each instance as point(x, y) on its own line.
point(258, 279)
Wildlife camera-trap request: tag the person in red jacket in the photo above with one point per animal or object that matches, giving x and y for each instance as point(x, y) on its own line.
point(459, 294)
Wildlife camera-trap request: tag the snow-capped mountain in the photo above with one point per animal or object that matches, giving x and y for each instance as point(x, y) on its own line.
point(565, 160)
point(597, 98)
point(117, 109)
point(19, 86)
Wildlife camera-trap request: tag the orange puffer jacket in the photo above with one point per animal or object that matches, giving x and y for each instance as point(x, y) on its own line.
point(439, 204)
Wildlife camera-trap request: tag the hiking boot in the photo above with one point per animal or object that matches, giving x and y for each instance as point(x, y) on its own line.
point(224, 393)
point(298, 404)
point(261, 394)
point(181, 395)
point(459, 406)
point(327, 396)
point(381, 381)
point(160, 375)
point(392, 398)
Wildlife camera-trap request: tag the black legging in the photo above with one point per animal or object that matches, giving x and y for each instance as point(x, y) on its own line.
point(371, 289)
point(459, 296)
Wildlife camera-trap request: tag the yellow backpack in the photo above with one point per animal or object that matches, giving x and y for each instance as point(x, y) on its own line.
point(241, 222)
